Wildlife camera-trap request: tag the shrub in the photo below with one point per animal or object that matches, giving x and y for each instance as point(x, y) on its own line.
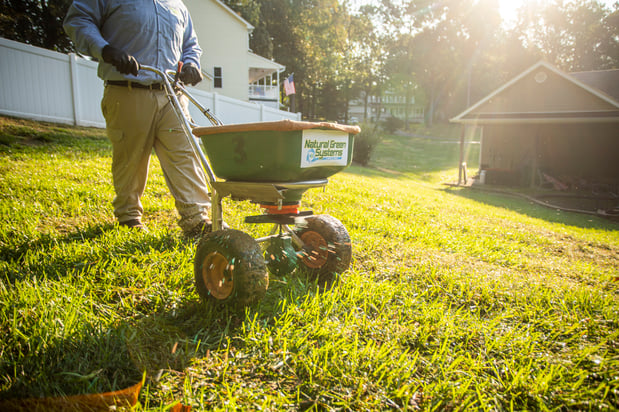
point(391, 124)
point(365, 142)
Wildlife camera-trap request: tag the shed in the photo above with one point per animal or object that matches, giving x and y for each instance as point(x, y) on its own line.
point(548, 126)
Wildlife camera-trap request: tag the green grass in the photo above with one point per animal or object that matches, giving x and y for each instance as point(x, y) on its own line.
point(455, 299)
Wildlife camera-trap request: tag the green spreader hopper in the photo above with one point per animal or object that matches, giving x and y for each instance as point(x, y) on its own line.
point(271, 164)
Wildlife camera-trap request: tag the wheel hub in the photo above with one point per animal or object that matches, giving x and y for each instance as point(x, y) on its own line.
point(217, 275)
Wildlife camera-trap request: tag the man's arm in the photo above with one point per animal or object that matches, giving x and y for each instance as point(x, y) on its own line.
point(191, 48)
point(82, 24)
point(190, 73)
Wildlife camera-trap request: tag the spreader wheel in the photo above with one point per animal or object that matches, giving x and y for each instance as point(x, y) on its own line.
point(327, 251)
point(229, 268)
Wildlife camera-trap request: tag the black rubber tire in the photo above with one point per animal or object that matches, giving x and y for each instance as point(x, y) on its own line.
point(328, 249)
point(230, 256)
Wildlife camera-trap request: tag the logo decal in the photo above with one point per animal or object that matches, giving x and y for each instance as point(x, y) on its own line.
point(324, 148)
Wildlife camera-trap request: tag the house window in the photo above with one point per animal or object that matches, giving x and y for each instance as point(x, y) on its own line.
point(217, 79)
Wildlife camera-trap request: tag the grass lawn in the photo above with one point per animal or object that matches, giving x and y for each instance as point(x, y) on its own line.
point(455, 299)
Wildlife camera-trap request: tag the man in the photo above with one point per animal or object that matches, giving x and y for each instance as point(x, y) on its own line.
point(121, 34)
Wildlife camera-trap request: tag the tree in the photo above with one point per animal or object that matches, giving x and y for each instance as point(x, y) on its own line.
point(447, 48)
point(576, 36)
point(368, 55)
point(400, 69)
point(318, 40)
point(36, 22)
point(260, 40)
point(321, 30)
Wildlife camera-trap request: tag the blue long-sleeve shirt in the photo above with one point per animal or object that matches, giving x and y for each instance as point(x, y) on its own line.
point(157, 33)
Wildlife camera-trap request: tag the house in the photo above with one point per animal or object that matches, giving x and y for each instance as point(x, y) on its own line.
point(391, 104)
point(547, 127)
point(230, 68)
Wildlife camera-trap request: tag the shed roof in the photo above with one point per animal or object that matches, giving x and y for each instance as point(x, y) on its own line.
point(544, 93)
point(606, 81)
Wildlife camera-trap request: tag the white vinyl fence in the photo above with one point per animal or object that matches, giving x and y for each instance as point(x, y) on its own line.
point(44, 85)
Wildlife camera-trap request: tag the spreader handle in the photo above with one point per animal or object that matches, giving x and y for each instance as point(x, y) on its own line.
point(178, 72)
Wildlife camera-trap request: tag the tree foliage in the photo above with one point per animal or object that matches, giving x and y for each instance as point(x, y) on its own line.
point(36, 22)
point(576, 36)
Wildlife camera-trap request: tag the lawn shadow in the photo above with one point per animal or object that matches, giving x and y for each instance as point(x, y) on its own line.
point(519, 203)
point(166, 344)
point(96, 361)
point(99, 358)
point(110, 359)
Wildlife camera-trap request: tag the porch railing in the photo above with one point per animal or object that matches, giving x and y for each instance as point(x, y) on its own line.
point(263, 92)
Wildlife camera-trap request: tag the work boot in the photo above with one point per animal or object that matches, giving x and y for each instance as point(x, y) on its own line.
point(134, 224)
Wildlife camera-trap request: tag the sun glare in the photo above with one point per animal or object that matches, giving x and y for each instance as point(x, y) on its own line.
point(509, 9)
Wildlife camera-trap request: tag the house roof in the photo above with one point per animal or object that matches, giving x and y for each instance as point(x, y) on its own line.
point(235, 15)
point(261, 66)
point(544, 93)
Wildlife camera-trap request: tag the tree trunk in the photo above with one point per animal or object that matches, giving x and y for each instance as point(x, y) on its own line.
point(430, 116)
point(365, 105)
point(407, 105)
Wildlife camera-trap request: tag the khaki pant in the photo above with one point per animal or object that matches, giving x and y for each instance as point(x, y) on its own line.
point(138, 121)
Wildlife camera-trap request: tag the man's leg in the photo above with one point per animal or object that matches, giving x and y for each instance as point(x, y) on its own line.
point(182, 170)
point(129, 118)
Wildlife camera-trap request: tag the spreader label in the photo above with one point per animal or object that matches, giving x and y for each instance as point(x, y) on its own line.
point(324, 148)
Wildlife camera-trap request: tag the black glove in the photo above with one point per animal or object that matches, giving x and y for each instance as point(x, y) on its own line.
point(190, 74)
point(123, 62)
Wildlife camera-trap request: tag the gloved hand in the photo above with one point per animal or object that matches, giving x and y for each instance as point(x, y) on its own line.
point(123, 62)
point(190, 74)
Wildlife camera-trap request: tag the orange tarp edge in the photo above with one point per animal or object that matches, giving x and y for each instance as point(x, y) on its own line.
point(278, 126)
